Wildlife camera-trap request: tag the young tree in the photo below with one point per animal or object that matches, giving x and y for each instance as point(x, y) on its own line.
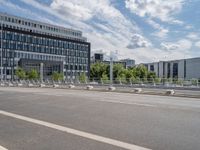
point(105, 78)
point(56, 76)
point(20, 73)
point(97, 70)
point(118, 70)
point(141, 72)
point(33, 74)
point(82, 78)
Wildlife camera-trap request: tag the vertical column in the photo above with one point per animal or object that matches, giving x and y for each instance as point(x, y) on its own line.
point(1, 51)
point(41, 71)
point(111, 70)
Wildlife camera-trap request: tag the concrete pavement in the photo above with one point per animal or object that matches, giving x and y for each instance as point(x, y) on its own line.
point(154, 122)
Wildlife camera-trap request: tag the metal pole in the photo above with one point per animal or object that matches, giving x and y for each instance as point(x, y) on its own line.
point(111, 70)
point(41, 71)
point(1, 51)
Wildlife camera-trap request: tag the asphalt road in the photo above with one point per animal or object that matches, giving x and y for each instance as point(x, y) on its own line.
point(49, 119)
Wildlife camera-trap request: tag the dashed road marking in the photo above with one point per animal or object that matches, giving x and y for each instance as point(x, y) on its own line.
point(87, 135)
point(3, 148)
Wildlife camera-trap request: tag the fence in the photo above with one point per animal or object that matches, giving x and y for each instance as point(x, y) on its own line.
point(193, 83)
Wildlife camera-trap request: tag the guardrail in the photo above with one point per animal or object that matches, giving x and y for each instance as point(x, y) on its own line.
point(141, 83)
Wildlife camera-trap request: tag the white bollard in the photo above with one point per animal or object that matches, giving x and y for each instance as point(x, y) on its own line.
point(30, 85)
point(89, 87)
point(19, 84)
point(42, 85)
point(137, 90)
point(55, 85)
point(71, 86)
point(10, 84)
point(170, 92)
point(112, 88)
point(2, 84)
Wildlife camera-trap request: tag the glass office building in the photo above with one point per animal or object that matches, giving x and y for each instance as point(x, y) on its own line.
point(28, 44)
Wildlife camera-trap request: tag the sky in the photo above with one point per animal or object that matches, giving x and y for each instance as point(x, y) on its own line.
point(144, 30)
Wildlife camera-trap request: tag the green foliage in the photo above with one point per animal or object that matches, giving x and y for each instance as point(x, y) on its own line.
point(134, 75)
point(56, 76)
point(20, 73)
point(33, 74)
point(141, 72)
point(105, 78)
point(121, 78)
point(98, 69)
point(118, 70)
point(82, 78)
point(157, 80)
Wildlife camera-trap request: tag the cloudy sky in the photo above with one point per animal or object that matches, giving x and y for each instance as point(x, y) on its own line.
point(144, 30)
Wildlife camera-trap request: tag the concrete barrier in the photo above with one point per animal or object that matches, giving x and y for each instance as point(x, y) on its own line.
point(19, 84)
point(42, 85)
point(2, 84)
point(89, 87)
point(10, 84)
point(111, 88)
point(137, 90)
point(170, 92)
point(71, 86)
point(55, 85)
point(30, 85)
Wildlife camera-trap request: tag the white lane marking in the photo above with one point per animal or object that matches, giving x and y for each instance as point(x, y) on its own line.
point(127, 103)
point(2, 148)
point(75, 132)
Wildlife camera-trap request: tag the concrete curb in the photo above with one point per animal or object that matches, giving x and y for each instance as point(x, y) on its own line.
point(119, 91)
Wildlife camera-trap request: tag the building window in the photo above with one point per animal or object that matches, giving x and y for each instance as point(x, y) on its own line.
point(152, 68)
point(175, 70)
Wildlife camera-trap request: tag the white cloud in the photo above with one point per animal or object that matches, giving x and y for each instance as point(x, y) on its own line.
point(169, 46)
point(182, 45)
point(197, 44)
point(105, 27)
point(80, 14)
point(161, 32)
point(188, 27)
point(72, 8)
point(138, 41)
point(193, 36)
point(160, 9)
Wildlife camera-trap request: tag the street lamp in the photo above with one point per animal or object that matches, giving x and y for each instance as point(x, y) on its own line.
point(1, 50)
point(111, 70)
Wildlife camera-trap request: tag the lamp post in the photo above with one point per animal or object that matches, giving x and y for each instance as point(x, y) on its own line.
point(111, 70)
point(1, 50)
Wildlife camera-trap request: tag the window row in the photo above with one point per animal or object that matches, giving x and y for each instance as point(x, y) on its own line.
point(40, 26)
point(42, 49)
point(43, 41)
point(76, 67)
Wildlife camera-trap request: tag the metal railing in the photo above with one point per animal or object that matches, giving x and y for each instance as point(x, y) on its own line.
point(164, 83)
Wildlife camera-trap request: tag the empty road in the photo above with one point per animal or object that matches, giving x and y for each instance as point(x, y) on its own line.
point(49, 119)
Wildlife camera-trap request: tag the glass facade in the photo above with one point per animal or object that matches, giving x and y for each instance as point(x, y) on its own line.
point(27, 45)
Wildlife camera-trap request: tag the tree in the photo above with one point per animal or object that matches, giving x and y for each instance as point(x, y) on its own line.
point(118, 70)
point(82, 78)
point(56, 76)
point(20, 73)
point(151, 76)
point(121, 78)
point(105, 78)
point(141, 72)
point(98, 69)
point(33, 74)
